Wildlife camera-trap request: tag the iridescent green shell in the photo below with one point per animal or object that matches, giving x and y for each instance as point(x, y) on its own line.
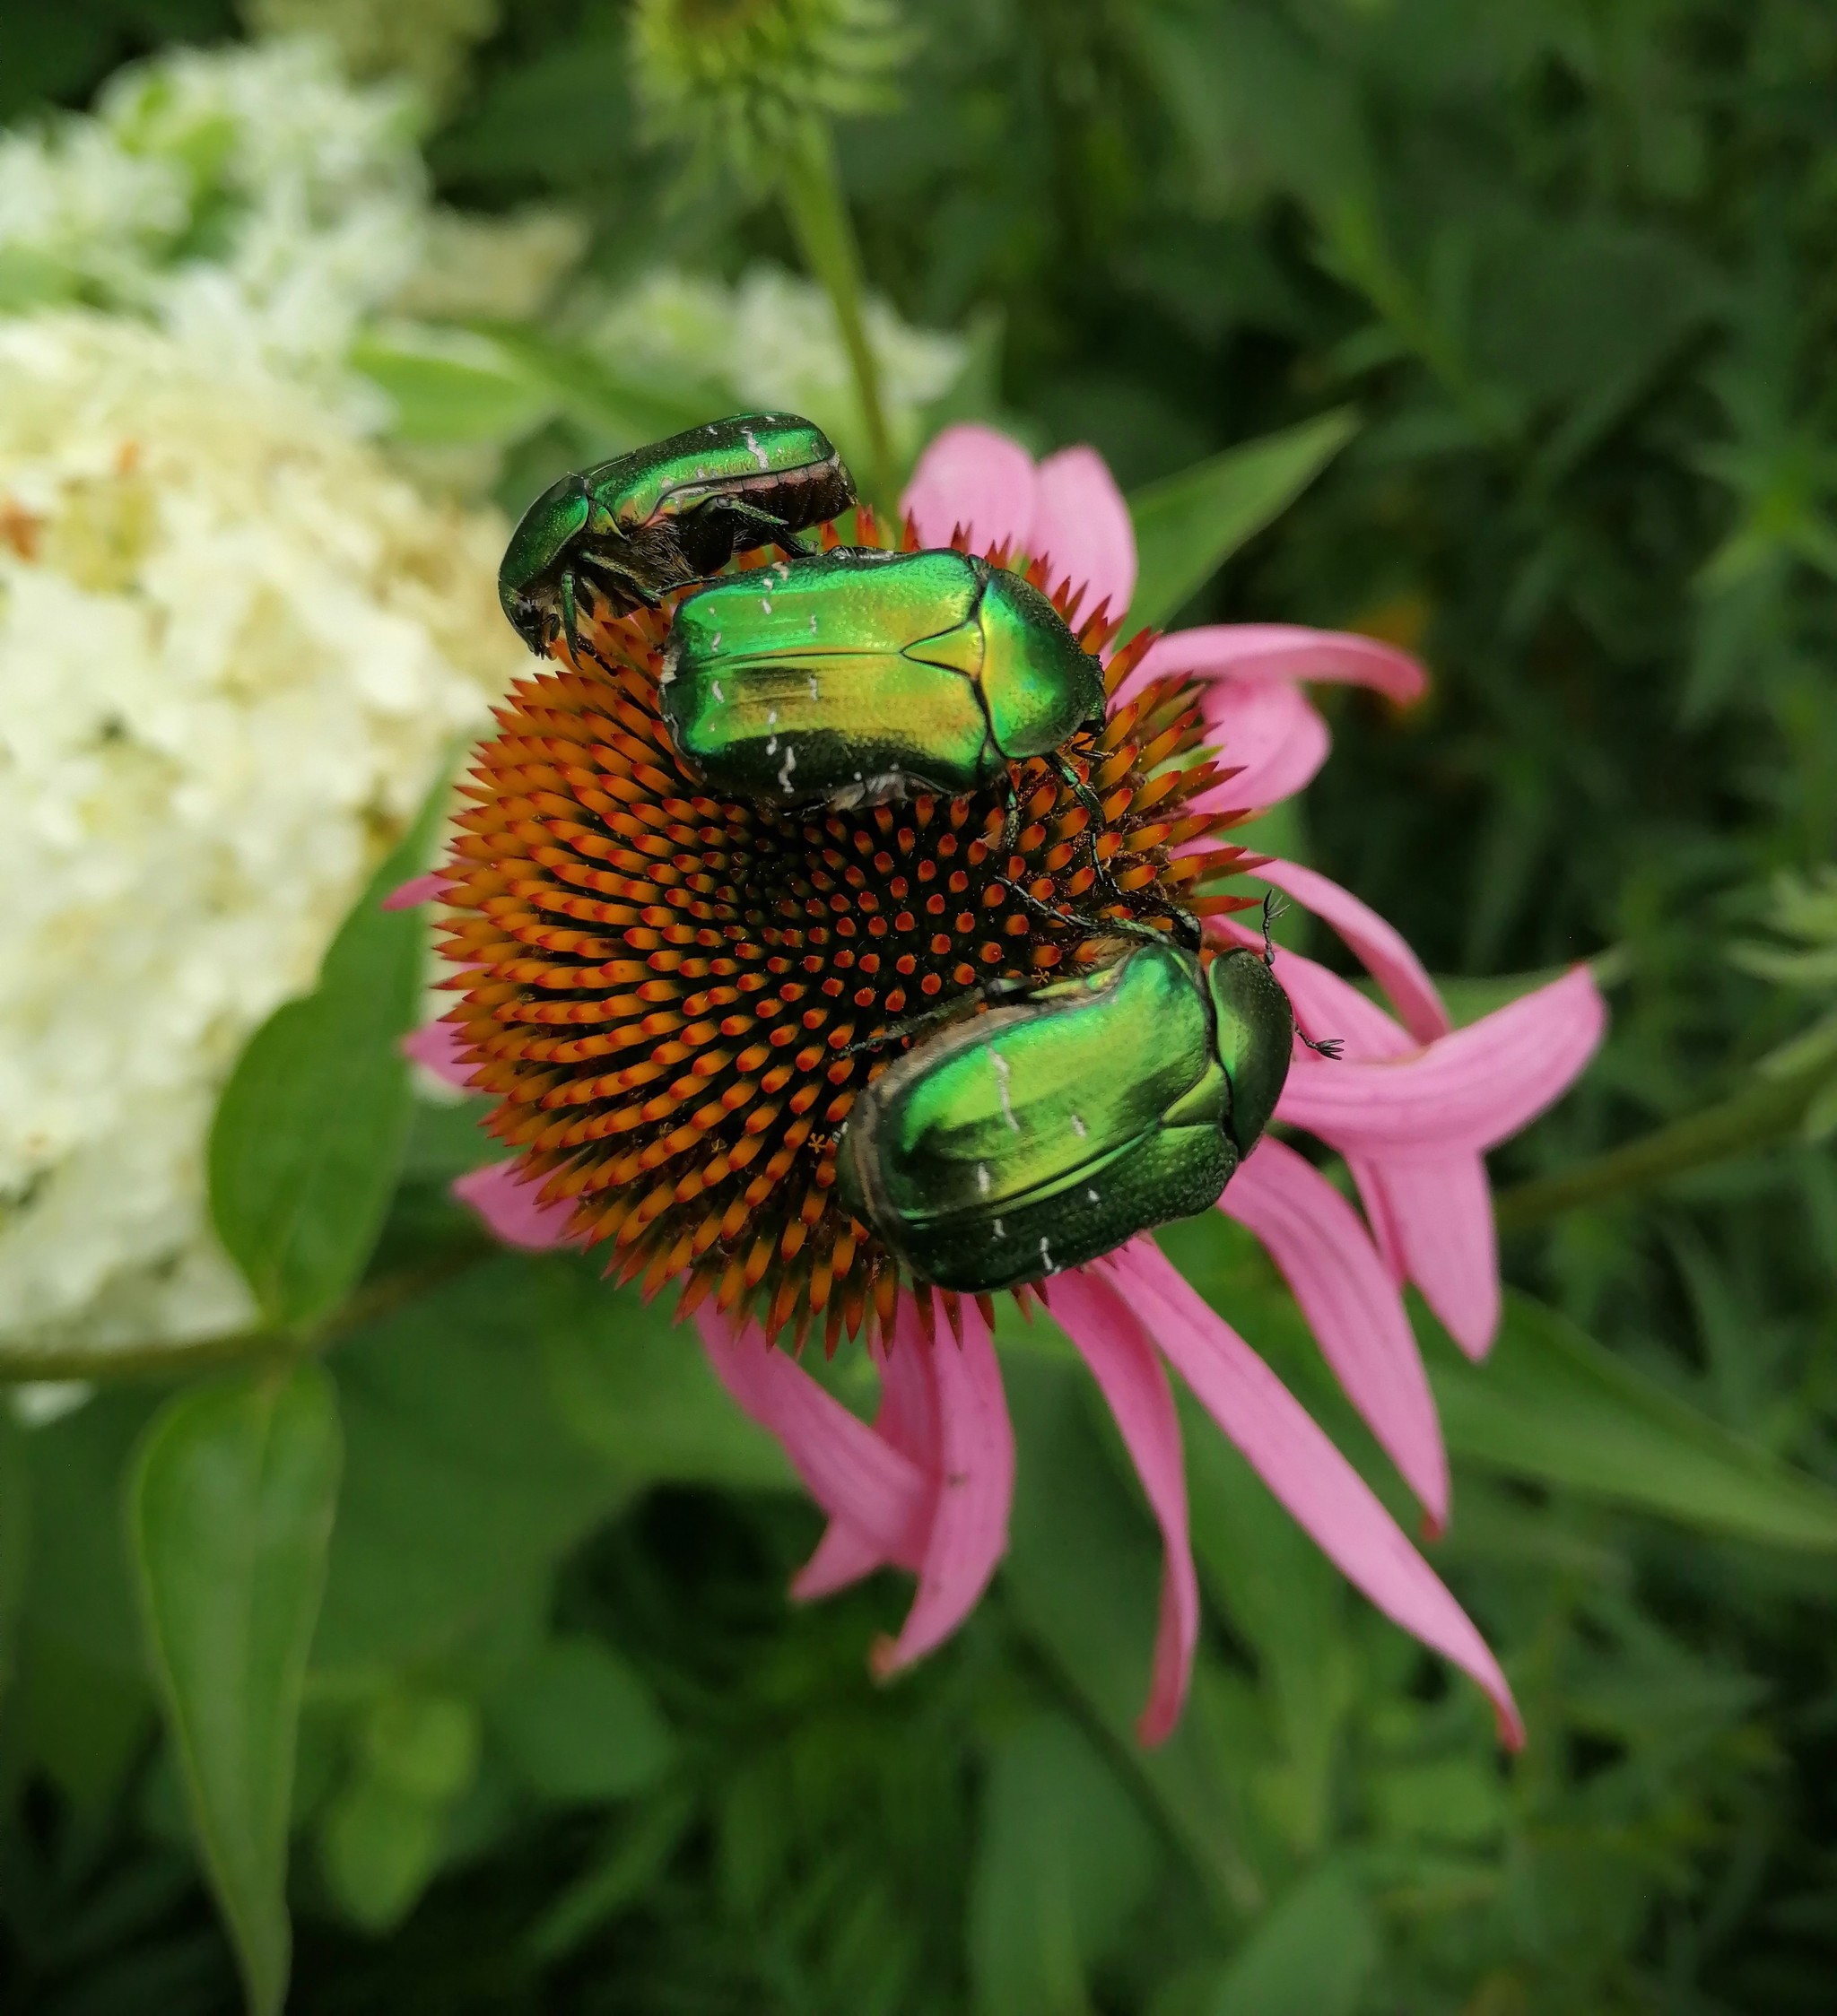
point(857, 673)
point(1033, 1137)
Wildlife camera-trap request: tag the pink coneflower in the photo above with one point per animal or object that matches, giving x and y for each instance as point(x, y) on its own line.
point(659, 989)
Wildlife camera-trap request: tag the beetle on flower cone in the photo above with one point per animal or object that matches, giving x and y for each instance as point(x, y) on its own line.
point(661, 990)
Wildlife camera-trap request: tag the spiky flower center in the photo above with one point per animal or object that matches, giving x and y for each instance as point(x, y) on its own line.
point(665, 989)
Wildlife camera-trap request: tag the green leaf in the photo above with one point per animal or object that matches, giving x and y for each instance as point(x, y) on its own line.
point(1082, 1572)
point(580, 1724)
point(463, 1486)
point(230, 1503)
point(1311, 1956)
point(378, 1850)
point(1188, 526)
point(1552, 1405)
point(15, 1538)
point(451, 384)
point(622, 412)
point(308, 1134)
point(638, 1388)
point(1064, 1857)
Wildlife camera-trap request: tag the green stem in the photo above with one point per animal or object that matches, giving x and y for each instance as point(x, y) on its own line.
point(374, 1300)
point(1765, 1111)
point(819, 220)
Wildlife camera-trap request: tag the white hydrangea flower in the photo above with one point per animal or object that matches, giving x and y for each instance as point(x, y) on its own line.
point(772, 341)
point(248, 197)
point(233, 647)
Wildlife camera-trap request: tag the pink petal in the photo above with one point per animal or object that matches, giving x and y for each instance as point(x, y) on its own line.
point(1437, 1229)
point(1123, 1362)
point(976, 1445)
point(852, 1472)
point(509, 1207)
point(1352, 1305)
point(1082, 524)
point(973, 477)
point(1321, 1490)
point(907, 1421)
point(1285, 651)
point(1470, 1090)
point(423, 889)
point(1271, 734)
point(1381, 946)
point(437, 1045)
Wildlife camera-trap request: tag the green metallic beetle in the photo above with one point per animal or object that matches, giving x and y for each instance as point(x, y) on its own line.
point(858, 675)
point(632, 529)
point(1032, 1137)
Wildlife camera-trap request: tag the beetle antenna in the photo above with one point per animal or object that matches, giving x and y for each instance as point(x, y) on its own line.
point(1274, 907)
point(1328, 1046)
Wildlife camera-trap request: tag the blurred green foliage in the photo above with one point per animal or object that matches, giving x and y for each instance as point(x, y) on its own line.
point(562, 1744)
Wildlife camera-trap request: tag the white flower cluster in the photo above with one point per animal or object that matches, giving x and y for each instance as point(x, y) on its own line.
point(249, 198)
point(772, 341)
point(233, 647)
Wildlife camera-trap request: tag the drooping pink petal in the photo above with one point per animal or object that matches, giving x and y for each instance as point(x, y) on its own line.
point(1433, 1216)
point(854, 1474)
point(907, 1421)
point(969, 1532)
point(1123, 1362)
point(1287, 651)
point(1379, 946)
point(1271, 735)
point(973, 477)
point(423, 889)
point(1321, 1490)
point(1352, 1305)
point(511, 1207)
point(1082, 523)
point(1470, 1090)
point(437, 1045)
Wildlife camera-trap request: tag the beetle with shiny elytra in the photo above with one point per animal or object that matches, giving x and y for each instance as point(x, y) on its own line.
point(1037, 1136)
point(629, 530)
point(860, 675)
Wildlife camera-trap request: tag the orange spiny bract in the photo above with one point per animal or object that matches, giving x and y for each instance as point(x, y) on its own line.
point(660, 986)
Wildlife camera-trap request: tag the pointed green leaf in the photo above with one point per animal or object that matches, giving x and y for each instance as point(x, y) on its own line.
point(579, 1723)
point(15, 1536)
point(1063, 1858)
point(451, 384)
point(231, 1502)
point(636, 1387)
point(1188, 526)
point(1311, 1955)
point(1552, 1405)
point(309, 1134)
point(624, 411)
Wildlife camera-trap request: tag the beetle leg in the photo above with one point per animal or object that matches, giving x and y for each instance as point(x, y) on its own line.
point(1002, 986)
point(1080, 788)
point(1011, 825)
point(1186, 934)
point(771, 531)
point(571, 617)
point(1273, 906)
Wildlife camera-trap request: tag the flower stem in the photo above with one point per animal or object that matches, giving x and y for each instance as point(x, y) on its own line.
point(377, 1298)
point(1762, 1113)
point(819, 220)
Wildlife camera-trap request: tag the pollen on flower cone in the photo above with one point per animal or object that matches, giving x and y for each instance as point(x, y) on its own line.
point(661, 987)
